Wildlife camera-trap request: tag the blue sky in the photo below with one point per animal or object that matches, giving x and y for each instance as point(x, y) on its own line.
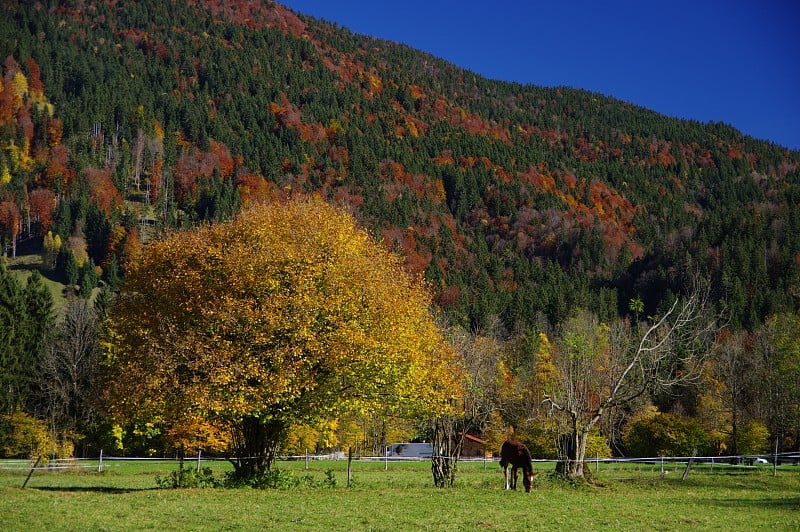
point(732, 61)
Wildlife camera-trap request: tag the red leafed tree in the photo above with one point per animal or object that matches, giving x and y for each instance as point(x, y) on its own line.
point(25, 124)
point(6, 106)
point(57, 168)
point(287, 114)
point(155, 178)
point(42, 202)
point(254, 188)
point(187, 170)
point(35, 84)
point(221, 158)
point(131, 249)
point(102, 189)
point(194, 164)
point(10, 224)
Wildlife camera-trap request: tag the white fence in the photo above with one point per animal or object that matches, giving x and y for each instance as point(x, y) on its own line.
point(100, 463)
point(708, 463)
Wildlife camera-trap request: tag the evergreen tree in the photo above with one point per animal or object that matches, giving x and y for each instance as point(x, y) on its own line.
point(112, 272)
point(39, 323)
point(62, 220)
point(88, 279)
point(12, 339)
point(67, 269)
point(102, 302)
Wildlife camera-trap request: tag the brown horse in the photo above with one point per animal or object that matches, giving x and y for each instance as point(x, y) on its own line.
point(516, 455)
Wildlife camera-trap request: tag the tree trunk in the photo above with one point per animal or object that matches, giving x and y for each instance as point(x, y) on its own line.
point(444, 470)
point(446, 452)
point(571, 456)
point(734, 430)
point(255, 444)
point(180, 467)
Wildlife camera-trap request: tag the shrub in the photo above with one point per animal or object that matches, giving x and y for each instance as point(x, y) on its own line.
point(665, 435)
point(330, 480)
point(279, 479)
point(23, 436)
point(540, 440)
point(189, 477)
point(753, 438)
point(597, 446)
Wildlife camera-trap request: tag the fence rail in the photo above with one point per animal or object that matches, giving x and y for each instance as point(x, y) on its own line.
point(709, 464)
point(99, 462)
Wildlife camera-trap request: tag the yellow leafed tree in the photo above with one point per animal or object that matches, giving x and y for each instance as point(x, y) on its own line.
point(287, 313)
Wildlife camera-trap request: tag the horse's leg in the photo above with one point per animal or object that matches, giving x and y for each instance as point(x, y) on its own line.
point(505, 476)
point(514, 477)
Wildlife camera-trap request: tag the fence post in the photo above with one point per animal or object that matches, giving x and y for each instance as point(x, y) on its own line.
point(100, 462)
point(306, 459)
point(349, 465)
point(199, 451)
point(775, 459)
point(597, 462)
point(689, 465)
point(31, 472)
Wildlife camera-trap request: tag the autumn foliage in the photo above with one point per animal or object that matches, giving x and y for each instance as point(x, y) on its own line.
point(287, 313)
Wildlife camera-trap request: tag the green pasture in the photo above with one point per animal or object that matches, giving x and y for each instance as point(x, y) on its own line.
point(626, 497)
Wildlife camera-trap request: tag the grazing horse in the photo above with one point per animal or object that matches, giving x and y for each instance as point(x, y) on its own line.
point(516, 455)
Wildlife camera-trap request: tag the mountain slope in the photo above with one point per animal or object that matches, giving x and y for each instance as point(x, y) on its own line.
point(513, 200)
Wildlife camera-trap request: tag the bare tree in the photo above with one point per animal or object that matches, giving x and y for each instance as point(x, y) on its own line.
point(602, 367)
point(138, 156)
point(734, 366)
point(67, 369)
point(777, 346)
point(479, 354)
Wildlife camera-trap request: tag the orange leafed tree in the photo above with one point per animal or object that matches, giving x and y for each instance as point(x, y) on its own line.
point(10, 224)
point(288, 313)
point(102, 189)
point(254, 188)
point(42, 203)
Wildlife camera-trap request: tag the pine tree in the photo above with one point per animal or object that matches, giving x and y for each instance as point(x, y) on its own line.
point(88, 279)
point(39, 322)
point(12, 324)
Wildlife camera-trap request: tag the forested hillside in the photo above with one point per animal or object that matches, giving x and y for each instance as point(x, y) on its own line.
point(511, 199)
point(120, 121)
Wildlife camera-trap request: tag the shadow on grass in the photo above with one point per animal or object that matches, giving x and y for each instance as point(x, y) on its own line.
point(90, 489)
point(788, 503)
point(731, 482)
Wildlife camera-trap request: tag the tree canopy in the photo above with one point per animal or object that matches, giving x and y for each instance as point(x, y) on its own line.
point(287, 312)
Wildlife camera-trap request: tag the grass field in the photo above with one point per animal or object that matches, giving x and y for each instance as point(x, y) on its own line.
point(629, 497)
point(23, 265)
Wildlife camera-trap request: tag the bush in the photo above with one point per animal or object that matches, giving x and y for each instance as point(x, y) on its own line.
point(23, 436)
point(597, 446)
point(665, 435)
point(753, 438)
point(540, 440)
point(189, 477)
point(279, 479)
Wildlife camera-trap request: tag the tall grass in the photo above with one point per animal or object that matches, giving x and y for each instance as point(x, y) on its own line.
point(625, 497)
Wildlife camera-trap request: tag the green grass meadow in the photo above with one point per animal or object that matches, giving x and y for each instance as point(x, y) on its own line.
point(626, 497)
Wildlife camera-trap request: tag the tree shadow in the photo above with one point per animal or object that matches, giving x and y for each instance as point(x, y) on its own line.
point(788, 503)
point(27, 259)
point(91, 489)
point(701, 481)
